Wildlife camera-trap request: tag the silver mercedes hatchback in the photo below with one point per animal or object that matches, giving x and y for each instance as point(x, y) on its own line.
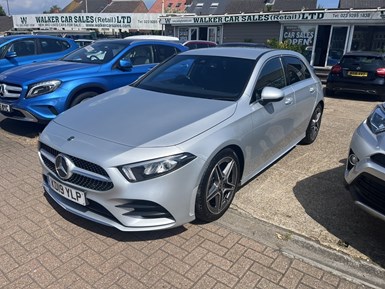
point(365, 165)
point(178, 143)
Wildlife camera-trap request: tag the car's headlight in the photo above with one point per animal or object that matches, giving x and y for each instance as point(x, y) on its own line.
point(376, 121)
point(155, 168)
point(43, 88)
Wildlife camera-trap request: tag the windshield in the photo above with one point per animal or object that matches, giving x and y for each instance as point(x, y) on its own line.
point(213, 77)
point(97, 53)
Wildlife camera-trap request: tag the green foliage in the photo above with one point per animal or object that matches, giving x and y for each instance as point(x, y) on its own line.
point(274, 43)
point(53, 9)
point(2, 12)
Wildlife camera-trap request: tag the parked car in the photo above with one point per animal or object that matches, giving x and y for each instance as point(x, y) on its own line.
point(39, 92)
point(84, 42)
point(365, 166)
point(243, 44)
point(358, 72)
point(154, 37)
point(177, 143)
point(195, 44)
point(25, 49)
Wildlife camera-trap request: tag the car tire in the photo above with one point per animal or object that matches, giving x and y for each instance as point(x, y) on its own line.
point(313, 126)
point(82, 97)
point(218, 186)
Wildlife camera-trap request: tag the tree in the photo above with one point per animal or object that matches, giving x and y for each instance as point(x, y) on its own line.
point(2, 12)
point(53, 9)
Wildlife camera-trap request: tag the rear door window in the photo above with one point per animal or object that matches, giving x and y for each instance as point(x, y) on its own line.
point(163, 52)
point(48, 45)
point(295, 70)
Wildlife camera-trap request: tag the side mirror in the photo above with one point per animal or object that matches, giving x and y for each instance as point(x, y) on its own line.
point(125, 64)
point(10, 54)
point(270, 94)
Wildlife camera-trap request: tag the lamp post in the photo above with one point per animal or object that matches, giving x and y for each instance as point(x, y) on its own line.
point(9, 13)
point(86, 6)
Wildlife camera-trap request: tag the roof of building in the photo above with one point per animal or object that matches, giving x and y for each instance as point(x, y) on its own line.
point(126, 6)
point(205, 7)
point(6, 23)
point(170, 6)
point(86, 6)
point(347, 4)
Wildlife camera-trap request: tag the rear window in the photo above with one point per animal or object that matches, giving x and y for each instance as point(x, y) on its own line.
point(364, 62)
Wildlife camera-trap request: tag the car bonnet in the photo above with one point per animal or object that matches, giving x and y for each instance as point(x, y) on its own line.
point(139, 118)
point(46, 70)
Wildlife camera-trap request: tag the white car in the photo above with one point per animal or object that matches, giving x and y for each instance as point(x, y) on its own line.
point(177, 144)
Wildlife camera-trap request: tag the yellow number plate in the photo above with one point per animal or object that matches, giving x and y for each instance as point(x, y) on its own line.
point(357, 73)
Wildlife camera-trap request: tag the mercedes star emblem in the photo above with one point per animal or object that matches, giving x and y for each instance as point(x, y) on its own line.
point(64, 166)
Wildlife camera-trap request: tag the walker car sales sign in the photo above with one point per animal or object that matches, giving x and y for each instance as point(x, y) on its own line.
point(147, 21)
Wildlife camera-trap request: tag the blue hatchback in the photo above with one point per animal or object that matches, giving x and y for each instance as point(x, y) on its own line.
point(39, 92)
point(25, 49)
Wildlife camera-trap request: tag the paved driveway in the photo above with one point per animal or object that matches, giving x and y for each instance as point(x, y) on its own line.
point(305, 191)
point(43, 246)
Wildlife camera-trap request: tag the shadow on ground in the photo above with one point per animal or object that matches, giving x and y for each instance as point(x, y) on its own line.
point(353, 96)
point(326, 199)
point(21, 128)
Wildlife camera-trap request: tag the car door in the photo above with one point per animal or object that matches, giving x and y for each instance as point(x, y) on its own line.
point(298, 77)
point(143, 58)
point(272, 121)
point(25, 50)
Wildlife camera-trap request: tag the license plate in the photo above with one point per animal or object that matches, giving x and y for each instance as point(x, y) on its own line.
point(67, 192)
point(5, 107)
point(357, 73)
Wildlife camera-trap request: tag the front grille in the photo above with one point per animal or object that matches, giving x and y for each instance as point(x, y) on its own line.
point(9, 91)
point(378, 159)
point(371, 191)
point(77, 179)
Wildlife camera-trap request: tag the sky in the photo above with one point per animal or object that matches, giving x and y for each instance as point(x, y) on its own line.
point(17, 7)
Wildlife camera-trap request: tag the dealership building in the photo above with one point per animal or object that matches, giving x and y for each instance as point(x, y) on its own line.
point(325, 34)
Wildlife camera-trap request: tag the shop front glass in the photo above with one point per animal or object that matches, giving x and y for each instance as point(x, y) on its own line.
point(368, 38)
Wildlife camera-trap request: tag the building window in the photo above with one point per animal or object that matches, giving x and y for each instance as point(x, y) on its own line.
point(178, 5)
point(214, 5)
point(199, 5)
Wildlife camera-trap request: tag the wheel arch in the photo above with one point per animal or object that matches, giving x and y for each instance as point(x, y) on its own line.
point(82, 89)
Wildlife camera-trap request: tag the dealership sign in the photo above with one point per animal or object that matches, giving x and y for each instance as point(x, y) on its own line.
point(146, 21)
point(319, 15)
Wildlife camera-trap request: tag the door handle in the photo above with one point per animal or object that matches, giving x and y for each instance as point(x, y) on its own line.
point(312, 90)
point(288, 100)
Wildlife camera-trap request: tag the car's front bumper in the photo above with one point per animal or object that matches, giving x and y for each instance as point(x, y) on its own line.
point(42, 108)
point(366, 179)
point(164, 202)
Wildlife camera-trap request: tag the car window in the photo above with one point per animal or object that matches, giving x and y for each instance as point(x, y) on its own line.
point(52, 45)
point(163, 52)
point(213, 77)
point(365, 62)
point(296, 70)
point(272, 74)
point(23, 47)
point(96, 53)
point(141, 54)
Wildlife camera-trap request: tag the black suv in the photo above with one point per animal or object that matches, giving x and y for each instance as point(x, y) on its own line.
point(358, 72)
